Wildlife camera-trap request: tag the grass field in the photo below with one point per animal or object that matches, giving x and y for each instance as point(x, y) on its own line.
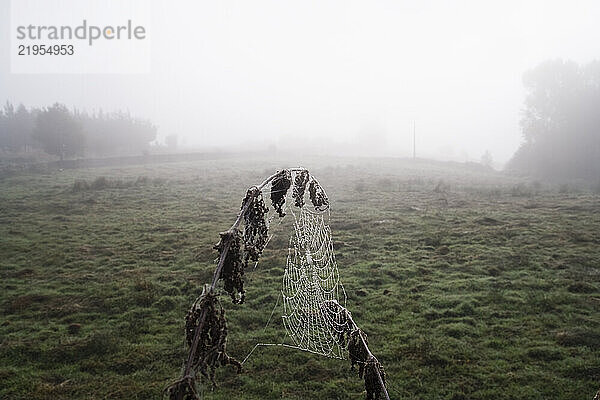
point(470, 284)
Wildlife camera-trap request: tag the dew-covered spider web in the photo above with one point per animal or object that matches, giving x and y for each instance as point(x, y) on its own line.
point(312, 288)
point(312, 295)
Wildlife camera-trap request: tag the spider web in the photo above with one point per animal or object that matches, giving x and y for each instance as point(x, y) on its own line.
point(312, 291)
point(313, 297)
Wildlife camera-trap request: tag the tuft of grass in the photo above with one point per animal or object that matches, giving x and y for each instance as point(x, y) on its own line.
point(80, 185)
point(579, 337)
point(102, 182)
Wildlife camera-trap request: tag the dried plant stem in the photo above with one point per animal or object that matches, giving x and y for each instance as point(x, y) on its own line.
point(366, 348)
point(188, 375)
point(184, 388)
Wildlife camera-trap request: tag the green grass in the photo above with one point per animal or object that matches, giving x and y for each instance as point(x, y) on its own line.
point(470, 285)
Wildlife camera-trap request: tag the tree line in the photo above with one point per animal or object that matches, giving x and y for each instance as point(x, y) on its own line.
point(560, 122)
point(66, 133)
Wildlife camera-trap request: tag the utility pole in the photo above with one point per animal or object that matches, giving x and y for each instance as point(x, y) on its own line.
point(414, 139)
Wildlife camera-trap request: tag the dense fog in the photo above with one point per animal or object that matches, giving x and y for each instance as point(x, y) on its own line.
point(334, 77)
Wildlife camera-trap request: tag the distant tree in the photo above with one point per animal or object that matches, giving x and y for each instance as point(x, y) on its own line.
point(486, 159)
point(561, 121)
point(59, 132)
point(24, 126)
point(101, 137)
point(9, 127)
point(3, 130)
point(116, 133)
point(142, 133)
point(16, 128)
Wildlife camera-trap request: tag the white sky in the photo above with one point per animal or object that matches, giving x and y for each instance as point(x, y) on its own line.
point(333, 72)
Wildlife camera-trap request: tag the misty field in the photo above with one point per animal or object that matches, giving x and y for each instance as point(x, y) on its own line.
point(469, 284)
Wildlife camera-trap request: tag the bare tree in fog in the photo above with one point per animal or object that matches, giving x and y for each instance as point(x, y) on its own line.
point(16, 128)
point(116, 133)
point(58, 132)
point(561, 121)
